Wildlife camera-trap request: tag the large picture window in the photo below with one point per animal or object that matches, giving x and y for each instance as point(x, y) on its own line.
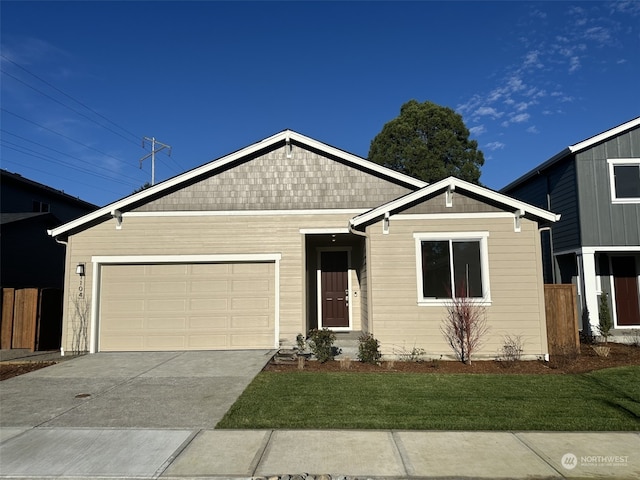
point(624, 178)
point(452, 265)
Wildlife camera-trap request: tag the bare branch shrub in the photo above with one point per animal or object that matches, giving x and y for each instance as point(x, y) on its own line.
point(511, 350)
point(80, 324)
point(464, 327)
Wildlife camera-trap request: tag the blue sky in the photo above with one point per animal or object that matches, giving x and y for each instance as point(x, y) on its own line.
point(83, 82)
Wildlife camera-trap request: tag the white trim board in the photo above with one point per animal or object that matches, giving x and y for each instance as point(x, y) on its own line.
point(98, 261)
point(240, 213)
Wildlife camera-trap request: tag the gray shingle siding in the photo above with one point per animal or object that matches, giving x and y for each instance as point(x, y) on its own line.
point(271, 181)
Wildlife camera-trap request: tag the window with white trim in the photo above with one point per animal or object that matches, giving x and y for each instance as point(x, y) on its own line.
point(452, 265)
point(624, 179)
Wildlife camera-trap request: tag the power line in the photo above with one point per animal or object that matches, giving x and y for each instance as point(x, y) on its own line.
point(63, 135)
point(67, 106)
point(61, 153)
point(72, 98)
point(47, 158)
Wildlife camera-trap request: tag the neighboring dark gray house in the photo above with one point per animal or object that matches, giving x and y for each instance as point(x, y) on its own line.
point(28, 256)
point(595, 186)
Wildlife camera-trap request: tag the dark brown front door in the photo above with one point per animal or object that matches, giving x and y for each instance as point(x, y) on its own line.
point(334, 288)
point(625, 281)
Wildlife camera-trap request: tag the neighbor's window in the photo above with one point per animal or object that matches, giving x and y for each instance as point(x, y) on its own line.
point(625, 180)
point(451, 265)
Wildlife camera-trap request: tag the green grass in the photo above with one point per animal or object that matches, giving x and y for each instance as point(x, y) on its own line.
point(602, 400)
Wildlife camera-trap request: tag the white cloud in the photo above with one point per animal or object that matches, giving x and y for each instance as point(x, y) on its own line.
point(487, 111)
point(477, 131)
point(493, 146)
point(533, 129)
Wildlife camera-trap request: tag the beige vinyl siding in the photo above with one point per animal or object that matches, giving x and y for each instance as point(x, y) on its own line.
point(515, 277)
point(204, 235)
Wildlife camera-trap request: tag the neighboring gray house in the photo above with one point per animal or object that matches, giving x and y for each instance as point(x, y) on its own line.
point(595, 186)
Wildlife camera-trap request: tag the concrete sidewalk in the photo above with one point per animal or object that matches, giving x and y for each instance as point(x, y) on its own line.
point(180, 454)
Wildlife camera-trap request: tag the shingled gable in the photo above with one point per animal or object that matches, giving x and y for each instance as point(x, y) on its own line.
point(286, 139)
point(452, 185)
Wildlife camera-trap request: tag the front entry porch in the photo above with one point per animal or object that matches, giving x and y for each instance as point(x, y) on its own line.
point(335, 285)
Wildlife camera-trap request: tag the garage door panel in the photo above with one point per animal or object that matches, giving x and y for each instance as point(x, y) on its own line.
point(181, 306)
point(166, 323)
point(163, 342)
point(170, 305)
point(208, 304)
point(207, 286)
point(209, 323)
point(160, 288)
point(204, 342)
point(250, 321)
point(249, 340)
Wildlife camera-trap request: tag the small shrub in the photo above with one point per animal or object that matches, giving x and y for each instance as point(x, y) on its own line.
point(416, 354)
point(368, 349)
point(601, 350)
point(511, 350)
point(605, 324)
point(464, 327)
point(321, 344)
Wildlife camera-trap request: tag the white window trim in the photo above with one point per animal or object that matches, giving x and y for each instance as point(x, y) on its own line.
point(613, 162)
point(457, 236)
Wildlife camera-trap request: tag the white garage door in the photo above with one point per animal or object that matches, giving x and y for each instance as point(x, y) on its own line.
point(215, 306)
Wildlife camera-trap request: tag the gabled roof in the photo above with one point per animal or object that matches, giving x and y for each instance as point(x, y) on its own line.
point(576, 148)
point(285, 137)
point(453, 184)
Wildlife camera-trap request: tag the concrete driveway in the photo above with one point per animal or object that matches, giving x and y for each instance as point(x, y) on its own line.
point(170, 390)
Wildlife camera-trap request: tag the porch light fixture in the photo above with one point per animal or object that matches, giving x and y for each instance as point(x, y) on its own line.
point(80, 269)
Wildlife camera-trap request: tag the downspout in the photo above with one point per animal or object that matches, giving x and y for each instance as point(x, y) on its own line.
point(66, 245)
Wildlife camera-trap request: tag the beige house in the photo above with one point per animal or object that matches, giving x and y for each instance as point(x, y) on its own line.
point(290, 234)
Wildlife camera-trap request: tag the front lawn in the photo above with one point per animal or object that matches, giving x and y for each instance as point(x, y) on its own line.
point(601, 400)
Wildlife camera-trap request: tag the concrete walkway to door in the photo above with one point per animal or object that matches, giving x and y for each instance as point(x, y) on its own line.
point(131, 390)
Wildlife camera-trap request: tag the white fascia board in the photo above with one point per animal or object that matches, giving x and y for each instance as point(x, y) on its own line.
point(605, 135)
point(223, 161)
point(574, 149)
point(458, 185)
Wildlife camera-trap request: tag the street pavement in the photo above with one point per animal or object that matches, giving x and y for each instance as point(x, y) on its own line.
point(152, 415)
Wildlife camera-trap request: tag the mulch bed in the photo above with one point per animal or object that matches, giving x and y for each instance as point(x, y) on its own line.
point(586, 361)
point(13, 369)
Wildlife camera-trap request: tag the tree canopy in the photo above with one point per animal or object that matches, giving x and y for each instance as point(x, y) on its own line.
point(429, 142)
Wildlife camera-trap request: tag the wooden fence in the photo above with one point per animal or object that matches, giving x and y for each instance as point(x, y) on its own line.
point(561, 309)
point(31, 318)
